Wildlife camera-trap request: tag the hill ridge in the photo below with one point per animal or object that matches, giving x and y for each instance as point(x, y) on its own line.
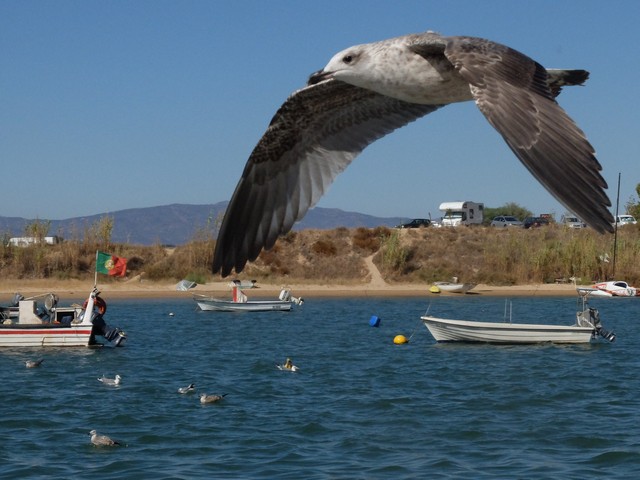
point(179, 223)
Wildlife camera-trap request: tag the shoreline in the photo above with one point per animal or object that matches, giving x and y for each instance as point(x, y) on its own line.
point(141, 289)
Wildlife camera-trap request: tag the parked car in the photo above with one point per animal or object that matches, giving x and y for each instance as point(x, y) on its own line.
point(436, 222)
point(532, 222)
point(415, 223)
point(505, 221)
point(573, 222)
point(622, 220)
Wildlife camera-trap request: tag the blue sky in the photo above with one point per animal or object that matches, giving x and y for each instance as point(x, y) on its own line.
point(108, 105)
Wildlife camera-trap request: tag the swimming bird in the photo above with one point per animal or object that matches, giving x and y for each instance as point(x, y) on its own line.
point(204, 398)
point(102, 440)
point(368, 91)
point(188, 389)
point(288, 365)
point(34, 363)
point(110, 381)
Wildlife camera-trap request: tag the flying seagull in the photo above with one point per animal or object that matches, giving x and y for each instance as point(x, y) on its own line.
point(102, 440)
point(368, 91)
point(204, 398)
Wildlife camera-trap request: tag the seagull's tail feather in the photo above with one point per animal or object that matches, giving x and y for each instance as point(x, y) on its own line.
point(565, 78)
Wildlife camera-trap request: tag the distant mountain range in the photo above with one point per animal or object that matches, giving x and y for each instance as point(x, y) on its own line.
point(178, 223)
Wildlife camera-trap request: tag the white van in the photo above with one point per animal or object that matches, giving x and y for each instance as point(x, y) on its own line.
point(622, 220)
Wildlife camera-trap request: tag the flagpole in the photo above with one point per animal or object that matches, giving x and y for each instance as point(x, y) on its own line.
point(95, 280)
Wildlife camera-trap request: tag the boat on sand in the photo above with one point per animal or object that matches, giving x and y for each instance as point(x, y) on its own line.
point(614, 288)
point(451, 287)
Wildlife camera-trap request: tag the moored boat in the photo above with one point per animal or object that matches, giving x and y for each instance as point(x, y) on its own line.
point(240, 303)
point(587, 327)
point(28, 324)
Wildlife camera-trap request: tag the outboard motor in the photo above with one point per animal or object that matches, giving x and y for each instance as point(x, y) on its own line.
point(594, 316)
point(285, 296)
point(111, 334)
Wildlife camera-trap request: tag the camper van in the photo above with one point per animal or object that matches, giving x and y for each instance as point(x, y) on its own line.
point(461, 213)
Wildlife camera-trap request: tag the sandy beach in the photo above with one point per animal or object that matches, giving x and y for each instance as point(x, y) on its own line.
point(137, 288)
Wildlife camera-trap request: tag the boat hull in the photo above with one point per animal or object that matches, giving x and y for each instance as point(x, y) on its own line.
point(45, 336)
point(615, 288)
point(455, 287)
point(215, 305)
point(445, 330)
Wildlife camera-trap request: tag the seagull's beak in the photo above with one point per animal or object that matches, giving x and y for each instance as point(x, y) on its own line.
point(318, 77)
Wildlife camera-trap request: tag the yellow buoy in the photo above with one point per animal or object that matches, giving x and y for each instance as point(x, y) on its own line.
point(434, 289)
point(400, 339)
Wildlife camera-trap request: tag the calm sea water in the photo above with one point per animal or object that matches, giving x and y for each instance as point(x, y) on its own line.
point(360, 408)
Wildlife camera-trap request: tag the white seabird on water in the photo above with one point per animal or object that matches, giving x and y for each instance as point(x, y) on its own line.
point(368, 91)
point(110, 381)
point(34, 363)
point(188, 389)
point(204, 398)
point(102, 440)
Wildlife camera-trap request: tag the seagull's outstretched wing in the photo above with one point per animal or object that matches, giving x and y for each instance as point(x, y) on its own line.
point(513, 93)
point(313, 137)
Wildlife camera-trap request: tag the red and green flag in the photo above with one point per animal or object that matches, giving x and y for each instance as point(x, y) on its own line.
point(110, 264)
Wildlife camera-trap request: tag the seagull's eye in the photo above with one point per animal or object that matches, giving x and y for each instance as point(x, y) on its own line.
point(348, 59)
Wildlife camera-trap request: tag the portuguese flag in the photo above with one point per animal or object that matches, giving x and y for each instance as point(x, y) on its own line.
point(110, 264)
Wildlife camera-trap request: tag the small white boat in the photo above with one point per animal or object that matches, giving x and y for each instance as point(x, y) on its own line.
point(240, 303)
point(586, 328)
point(614, 288)
point(454, 287)
point(29, 325)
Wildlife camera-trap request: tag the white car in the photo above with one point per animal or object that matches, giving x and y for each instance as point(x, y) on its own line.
point(573, 222)
point(622, 220)
point(506, 221)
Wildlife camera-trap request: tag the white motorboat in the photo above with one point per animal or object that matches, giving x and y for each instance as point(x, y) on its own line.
point(586, 328)
point(27, 324)
point(614, 288)
point(240, 303)
point(454, 287)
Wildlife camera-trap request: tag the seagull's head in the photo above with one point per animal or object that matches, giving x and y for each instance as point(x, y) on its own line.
point(92, 432)
point(348, 66)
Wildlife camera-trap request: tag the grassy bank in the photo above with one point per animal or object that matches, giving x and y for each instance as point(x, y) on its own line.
point(482, 255)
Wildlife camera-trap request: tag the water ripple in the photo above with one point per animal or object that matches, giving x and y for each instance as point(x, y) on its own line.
point(361, 407)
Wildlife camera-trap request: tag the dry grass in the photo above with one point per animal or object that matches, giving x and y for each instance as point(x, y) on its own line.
point(482, 255)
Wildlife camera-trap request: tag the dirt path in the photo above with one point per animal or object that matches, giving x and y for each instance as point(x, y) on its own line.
point(376, 278)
